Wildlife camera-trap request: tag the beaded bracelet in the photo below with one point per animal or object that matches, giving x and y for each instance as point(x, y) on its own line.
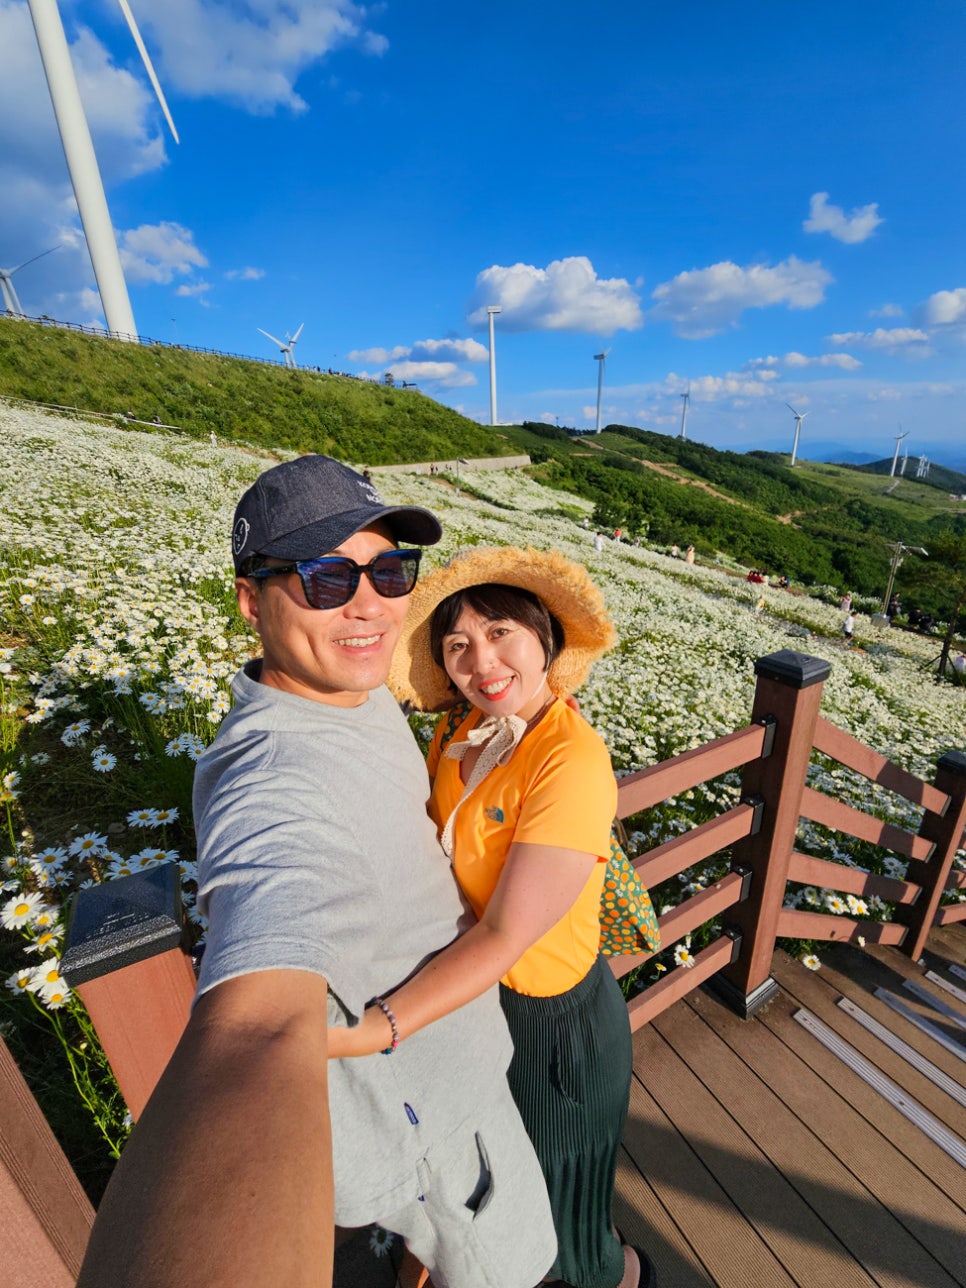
point(384, 1007)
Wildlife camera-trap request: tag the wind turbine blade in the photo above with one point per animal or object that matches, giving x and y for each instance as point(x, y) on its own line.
point(792, 409)
point(272, 338)
point(297, 333)
point(34, 258)
point(148, 66)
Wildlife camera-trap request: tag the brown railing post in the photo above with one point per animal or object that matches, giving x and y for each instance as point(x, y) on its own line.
point(932, 874)
point(46, 1215)
point(789, 690)
point(124, 957)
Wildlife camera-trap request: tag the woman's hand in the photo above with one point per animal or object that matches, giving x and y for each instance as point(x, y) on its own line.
point(373, 1033)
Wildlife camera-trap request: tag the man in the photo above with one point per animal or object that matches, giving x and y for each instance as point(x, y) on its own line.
point(325, 889)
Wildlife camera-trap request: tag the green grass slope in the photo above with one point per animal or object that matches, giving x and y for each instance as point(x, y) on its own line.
point(822, 525)
point(260, 403)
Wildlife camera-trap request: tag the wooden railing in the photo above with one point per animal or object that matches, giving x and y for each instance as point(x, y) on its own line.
point(126, 958)
point(774, 752)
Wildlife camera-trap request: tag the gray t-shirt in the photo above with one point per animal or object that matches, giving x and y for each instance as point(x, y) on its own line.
point(316, 853)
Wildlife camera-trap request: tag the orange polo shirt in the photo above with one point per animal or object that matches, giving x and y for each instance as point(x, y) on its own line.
point(558, 789)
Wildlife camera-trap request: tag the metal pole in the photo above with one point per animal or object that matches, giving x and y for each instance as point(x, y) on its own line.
point(897, 550)
point(492, 310)
point(85, 176)
point(599, 359)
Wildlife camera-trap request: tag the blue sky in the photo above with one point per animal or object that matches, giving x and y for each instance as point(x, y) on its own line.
point(762, 202)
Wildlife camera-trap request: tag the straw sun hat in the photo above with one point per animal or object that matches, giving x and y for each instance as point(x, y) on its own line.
point(564, 588)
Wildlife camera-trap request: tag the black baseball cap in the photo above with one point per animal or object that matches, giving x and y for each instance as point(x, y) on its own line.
point(304, 508)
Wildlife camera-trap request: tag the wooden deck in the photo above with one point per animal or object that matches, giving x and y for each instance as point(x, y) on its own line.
point(754, 1156)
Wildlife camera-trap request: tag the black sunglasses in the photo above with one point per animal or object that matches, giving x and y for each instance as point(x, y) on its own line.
point(331, 581)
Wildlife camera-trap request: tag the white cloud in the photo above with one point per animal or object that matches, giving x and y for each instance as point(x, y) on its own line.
point(194, 289)
point(734, 384)
point(567, 295)
point(945, 308)
point(887, 311)
point(446, 374)
point(252, 53)
point(245, 274)
point(843, 360)
point(891, 340)
point(857, 226)
point(159, 253)
point(425, 351)
point(704, 301)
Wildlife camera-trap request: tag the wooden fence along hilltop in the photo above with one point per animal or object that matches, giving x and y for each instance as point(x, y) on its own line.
point(126, 958)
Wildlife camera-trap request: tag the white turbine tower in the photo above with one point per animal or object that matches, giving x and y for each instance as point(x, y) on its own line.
point(10, 298)
point(286, 346)
point(799, 417)
point(85, 175)
point(492, 310)
point(895, 457)
point(600, 359)
point(685, 399)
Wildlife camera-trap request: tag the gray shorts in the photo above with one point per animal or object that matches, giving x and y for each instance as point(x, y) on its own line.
point(483, 1219)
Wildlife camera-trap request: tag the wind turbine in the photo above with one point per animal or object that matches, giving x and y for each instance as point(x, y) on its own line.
point(685, 399)
point(899, 437)
point(600, 358)
point(799, 417)
point(85, 175)
point(10, 298)
point(287, 346)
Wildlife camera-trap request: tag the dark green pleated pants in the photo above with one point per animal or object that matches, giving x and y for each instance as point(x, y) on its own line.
point(570, 1076)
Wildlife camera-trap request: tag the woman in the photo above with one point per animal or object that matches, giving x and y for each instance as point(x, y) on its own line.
point(524, 797)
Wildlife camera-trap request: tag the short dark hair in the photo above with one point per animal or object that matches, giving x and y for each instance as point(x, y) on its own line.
point(495, 602)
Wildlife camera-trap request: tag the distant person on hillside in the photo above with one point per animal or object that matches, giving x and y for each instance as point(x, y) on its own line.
point(598, 542)
point(848, 627)
point(675, 551)
point(959, 665)
point(845, 603)
point(214, 440)
point(689, 555)
point(367, 474)
point(893, 608)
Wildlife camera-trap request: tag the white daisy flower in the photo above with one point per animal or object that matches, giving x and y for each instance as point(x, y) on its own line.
point(89, 843)
point(380, 1241)
point(20, 910)
point(146, 817)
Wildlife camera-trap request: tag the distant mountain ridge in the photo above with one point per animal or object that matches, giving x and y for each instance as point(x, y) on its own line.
point(939, 476)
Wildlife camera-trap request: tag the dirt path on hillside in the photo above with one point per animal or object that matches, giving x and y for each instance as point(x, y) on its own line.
point(678, 478)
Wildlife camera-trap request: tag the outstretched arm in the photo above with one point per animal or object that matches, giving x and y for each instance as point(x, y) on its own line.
point(227, 1178)
point(538, 886)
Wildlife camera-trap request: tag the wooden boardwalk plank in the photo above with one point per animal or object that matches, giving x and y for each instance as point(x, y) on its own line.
point(848, 1228)
point(857, 974)
point(819, 992)
point(786, 1225)
point(644, 1222)
point(721, 1238)
point(901, 1168)
point(916, 1149)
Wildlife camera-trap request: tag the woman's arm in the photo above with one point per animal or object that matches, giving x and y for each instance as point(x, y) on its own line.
point(539, 884)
